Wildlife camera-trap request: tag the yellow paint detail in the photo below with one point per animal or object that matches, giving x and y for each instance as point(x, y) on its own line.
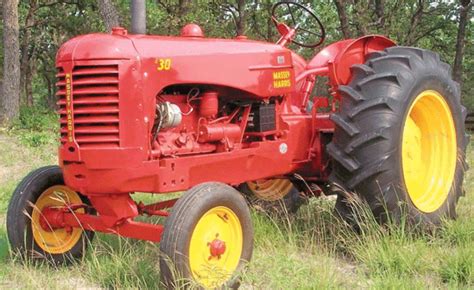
point(281, 79)
point(59, 241)
point(429, 151)
point(270, 189)
point(280, 75)
point(68, 79)
point(217, 223)
point(281, 84)
point(163, 64)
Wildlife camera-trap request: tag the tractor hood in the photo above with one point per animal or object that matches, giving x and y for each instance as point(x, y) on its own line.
point(262, 69)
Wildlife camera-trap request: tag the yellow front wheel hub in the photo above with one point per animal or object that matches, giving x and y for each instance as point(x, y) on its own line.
point(57, 241)
point(215, 247)
point(429, 151)
point(270, 189)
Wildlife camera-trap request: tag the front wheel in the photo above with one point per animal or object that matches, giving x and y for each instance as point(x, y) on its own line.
point(207, 238)
point(399, 140)
point(29, 234)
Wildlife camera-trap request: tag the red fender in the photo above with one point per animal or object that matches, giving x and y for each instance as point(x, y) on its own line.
point(341, 55)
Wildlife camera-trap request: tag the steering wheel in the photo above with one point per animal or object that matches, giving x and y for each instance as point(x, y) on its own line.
point(297, 14)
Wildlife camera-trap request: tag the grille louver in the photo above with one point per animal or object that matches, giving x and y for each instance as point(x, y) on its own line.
point(95, 96)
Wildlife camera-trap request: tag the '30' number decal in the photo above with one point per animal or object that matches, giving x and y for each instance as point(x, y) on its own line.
point(163, 64)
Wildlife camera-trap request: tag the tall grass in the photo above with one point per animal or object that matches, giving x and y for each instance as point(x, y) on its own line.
point(313, 249)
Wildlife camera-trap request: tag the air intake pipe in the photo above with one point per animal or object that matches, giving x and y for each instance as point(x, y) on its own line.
point(138, 8)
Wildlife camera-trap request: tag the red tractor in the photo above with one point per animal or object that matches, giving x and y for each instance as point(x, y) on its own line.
point(160, 114)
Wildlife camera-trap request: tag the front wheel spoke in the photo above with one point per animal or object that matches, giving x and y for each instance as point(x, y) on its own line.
point(308, 31)
point(291, 13)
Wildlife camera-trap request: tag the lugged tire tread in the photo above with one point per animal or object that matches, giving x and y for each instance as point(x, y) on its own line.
point(352, 93)
point(431, 56)
point(361, 70)
point(404, 59)
point(381, 103)
point(386, 76)
point(392, 72)
point(376, 54)
point(349, 128)
point(447, 68)
point(404, 49)
point(369, 170)
point(364, 139)
point(458, 89)
point(343, 159)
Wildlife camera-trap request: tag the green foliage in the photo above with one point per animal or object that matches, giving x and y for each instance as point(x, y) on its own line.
point(36, 126)
point(56, 22)
point(36, 119)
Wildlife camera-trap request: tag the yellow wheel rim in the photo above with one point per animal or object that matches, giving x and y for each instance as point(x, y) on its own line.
point(218, 224)
point(270, 189)
point(429, 151)
point(58, 241)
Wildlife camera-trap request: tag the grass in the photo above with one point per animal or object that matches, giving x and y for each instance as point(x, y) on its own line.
point(310, 251)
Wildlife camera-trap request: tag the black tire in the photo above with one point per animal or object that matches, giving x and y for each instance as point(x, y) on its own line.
point(19, 227)
point(175, 241)
point(290, 203)
point(366, 147)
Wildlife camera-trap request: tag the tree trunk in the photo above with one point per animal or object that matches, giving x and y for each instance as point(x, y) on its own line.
point(109, 14)
point(240, 23)
point(466, 5)
point(25, 70)
point(183, 8)
point(50, 101)
point(29, 84)
point(10, 101)
point(359, 18)
point(415, 20)
point(379, 11)
point(341, 11)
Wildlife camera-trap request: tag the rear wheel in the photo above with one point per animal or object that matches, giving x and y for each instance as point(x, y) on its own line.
point(273, 196)
point(28, 232)
point(399, 141)
point(207, 239)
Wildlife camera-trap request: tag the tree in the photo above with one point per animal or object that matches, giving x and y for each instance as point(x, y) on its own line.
point(341, 11)
point(109, 13)
point(10, 100)
point(25, 60)
point(184, 6)
point(237, 10)
point(46, 24)
point(466, 6)
point(241, 18)
point(262, 26)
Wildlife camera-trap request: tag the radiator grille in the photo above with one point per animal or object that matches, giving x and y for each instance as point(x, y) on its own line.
point(95, 95)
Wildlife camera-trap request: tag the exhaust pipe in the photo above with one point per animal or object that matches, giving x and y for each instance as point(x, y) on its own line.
point(138, 8)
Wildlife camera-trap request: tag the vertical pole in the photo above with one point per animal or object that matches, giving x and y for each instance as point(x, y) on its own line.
point(138, 8)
